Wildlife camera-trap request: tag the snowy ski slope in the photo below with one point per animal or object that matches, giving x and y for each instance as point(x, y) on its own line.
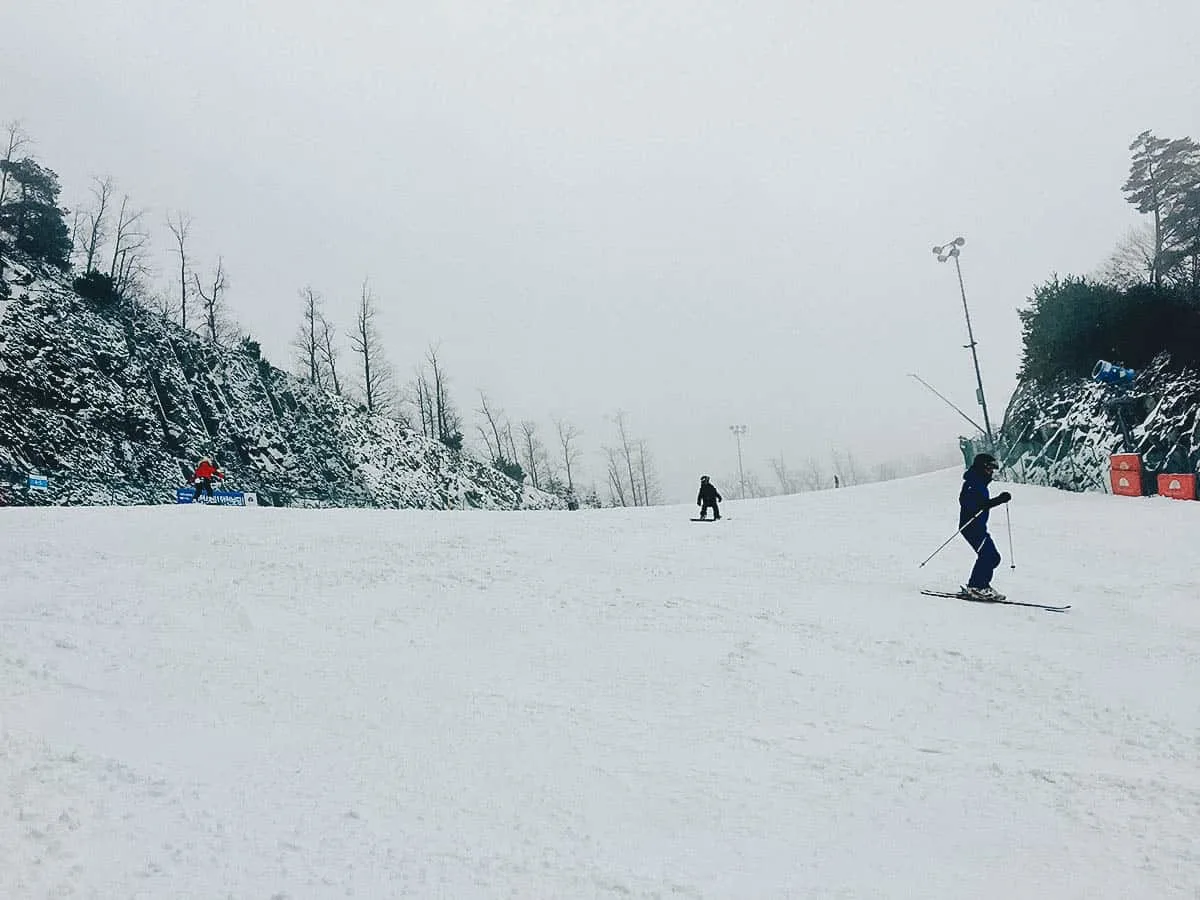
point(211, 703)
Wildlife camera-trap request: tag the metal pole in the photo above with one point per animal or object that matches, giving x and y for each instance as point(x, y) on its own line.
point(987, 425)
point(1012, 563)
point(741, 471)
point(738, 431)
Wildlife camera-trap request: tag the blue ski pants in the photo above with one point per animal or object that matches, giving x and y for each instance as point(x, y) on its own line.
point(987, 557)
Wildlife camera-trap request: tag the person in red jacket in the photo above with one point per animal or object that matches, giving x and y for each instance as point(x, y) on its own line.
point(203, 479)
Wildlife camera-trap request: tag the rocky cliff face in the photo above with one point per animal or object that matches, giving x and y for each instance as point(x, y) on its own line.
point(116, 405)
point(1063, 436)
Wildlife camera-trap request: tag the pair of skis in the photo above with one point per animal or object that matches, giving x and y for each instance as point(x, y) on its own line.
point(959, 595)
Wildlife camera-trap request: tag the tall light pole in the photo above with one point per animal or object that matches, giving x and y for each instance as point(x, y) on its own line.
point(951, 251)
point(738, 431)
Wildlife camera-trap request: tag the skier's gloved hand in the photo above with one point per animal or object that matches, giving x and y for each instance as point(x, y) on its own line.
point(1002, 497)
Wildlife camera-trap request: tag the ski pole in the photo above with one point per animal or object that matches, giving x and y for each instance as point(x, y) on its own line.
point(952, 537)
point(1012, 563)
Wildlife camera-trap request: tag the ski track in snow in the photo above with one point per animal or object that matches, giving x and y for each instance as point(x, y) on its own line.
point(272, 703)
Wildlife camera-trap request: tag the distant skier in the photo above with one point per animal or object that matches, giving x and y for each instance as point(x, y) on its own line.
point(203, 478)
point(708, 497)
point(973, 506)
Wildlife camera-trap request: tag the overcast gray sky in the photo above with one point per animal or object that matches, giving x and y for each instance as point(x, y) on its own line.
point(700, 213)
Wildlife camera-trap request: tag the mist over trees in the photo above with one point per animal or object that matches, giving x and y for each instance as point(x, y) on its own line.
point(105, 244)
point(1145, 299)
point(631, 472)
point(842, 469)
point(29, 209)
point(1164, 183)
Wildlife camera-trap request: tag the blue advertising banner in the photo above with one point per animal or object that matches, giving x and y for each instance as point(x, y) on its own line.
point(218, 498)
point(39, 482)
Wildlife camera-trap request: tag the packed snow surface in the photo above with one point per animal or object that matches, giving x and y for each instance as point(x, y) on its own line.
point(207, 703)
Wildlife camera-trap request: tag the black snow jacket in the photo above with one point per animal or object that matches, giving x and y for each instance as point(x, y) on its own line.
point(708, 491)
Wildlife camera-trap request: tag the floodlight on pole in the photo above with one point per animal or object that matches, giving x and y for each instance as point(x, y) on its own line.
point(738, 431)
point(951, 251)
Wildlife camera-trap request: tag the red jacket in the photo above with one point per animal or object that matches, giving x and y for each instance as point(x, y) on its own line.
point(206, 470)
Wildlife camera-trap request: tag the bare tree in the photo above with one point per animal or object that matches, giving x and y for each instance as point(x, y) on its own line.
point(378, 392)
point(754, 486)
point(180, 227)
point(627, 453)
point(423, 393)
point(212, 304)
point(133, 275)
point(329, 354)
point(76, 225)
point(491, 435)
point(631, 475)
point(95, 221)
point(163, 303)
point(130, 240)
point(307, 343)
point(1132, 260)
point(568, 436)
point(16, 139)
point(510, 443)
point(446, 423)
point(647, 475)
point(533, 454)
point(616, 485)
point(845, 467)
point(789, 482)
point(812, 475)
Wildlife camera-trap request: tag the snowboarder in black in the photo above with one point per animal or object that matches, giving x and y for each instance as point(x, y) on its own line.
point(973, 506)
point(708, 497)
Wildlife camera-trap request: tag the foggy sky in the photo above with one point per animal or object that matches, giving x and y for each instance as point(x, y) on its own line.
point(699, 213)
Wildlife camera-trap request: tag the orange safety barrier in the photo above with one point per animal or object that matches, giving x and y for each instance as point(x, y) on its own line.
point(1178, 487)
point(1127, 484)
point(1125, 462)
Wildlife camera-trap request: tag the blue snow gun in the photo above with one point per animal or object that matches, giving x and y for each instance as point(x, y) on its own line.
point(1107, 373)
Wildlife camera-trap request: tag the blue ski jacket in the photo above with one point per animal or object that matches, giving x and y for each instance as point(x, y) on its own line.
point(972, 498)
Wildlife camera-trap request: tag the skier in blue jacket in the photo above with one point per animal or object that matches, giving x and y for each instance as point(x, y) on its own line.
point(973, 505)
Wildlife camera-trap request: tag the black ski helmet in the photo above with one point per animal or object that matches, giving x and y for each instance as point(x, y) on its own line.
point(704, 478)
point(984, 460)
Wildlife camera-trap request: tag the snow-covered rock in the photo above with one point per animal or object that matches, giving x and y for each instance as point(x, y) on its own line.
point(116, 405)
point(1063, 436)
